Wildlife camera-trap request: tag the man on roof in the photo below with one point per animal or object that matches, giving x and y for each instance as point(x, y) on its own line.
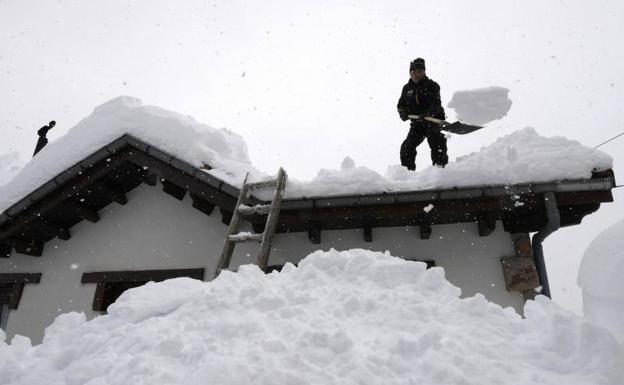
point(421, 97)
point(43, 140)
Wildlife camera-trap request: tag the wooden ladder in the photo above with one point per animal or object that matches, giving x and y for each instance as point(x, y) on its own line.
point(242, 210)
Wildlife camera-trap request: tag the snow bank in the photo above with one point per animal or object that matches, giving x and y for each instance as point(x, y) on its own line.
point(521, 157)
point(481, 105)
point(352, 317)
point(600, 277)
point(10, 164)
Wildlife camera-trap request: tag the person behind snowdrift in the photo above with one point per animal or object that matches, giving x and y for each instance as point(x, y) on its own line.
point(421, 96)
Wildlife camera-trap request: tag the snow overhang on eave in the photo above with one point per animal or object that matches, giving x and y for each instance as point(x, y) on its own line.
point(79, 192)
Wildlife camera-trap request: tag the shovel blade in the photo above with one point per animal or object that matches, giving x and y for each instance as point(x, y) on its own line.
point(460, 128)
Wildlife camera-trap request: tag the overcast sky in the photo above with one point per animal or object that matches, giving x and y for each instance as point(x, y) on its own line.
point(309, 83)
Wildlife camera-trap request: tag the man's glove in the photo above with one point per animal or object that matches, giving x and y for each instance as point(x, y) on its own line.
point(403, 115)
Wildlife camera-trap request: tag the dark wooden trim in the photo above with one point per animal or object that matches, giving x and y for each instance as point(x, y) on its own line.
point(27, 246)
point(123, 178)
point(5, 250)
point(60, 195)
point(140, 275)
point(148, 178)
point(202, 205)
point(59, 230)
point(111, 284)
point(226, 216)
point(486, 226)
point(392, 215)
point(113, 191)
point(425, 230)
point(14, 284)
point(20, 277)
point(183, 180)
point(368, 233)
point(84, 211)
point(314, 233)
point(581, 197)
point(18, 289)
point(603, 174)
point(258, 227)
point(173, 190)
point(10, 294)
point(63, 233)
point(271, 268)
point(98, 298)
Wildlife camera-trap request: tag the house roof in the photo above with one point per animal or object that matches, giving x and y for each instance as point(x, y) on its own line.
point(80, 191)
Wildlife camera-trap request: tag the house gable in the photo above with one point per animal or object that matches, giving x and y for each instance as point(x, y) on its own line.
point(106, 176)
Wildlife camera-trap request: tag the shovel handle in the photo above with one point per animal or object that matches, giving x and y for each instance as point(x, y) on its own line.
point(430, 119)
point(434, 120)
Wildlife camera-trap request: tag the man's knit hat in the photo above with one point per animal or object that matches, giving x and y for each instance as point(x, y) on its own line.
point(417, 64)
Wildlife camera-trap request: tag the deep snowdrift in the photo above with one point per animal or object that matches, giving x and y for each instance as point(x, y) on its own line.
point(10, 164)
point(353, 317)
point(521, 157)
point(481, 105)
point(601, 278)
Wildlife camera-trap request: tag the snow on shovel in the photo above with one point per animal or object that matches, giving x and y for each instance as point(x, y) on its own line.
point(454, 128)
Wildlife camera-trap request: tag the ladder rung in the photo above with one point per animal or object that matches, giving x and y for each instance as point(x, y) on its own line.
point(254, 210)
point(245, 237)
point(263, 184)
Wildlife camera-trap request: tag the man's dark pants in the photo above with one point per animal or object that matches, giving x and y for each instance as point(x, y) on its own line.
point(418, 132)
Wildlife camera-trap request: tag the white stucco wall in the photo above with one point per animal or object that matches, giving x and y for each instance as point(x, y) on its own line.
point(155, 231)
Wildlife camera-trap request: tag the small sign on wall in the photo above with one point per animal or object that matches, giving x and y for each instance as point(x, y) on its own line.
point(520, 273)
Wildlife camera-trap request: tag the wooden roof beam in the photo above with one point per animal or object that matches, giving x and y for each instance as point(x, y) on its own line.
point(58, 229)
point(5, 249)
point(486, 226)
point(84, 211)
point(314, 233)
point(30, 247)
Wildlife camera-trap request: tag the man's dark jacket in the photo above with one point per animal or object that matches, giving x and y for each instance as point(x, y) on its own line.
point(422, 98)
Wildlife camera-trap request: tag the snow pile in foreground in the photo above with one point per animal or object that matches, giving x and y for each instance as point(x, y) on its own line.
point(521, 157)
point(481, 105)
point(600, 277)
point(353, 317)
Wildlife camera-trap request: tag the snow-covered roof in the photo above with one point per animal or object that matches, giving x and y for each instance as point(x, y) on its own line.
point(193, 142)
point(351, 317)
point(522, 157)
point(93, 165)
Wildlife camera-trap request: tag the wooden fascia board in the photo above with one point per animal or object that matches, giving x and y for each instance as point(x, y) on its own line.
point(20, 277)
point(49, 202)
point(140, 275)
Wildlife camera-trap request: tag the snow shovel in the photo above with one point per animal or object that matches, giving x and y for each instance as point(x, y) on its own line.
point(458, 128)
